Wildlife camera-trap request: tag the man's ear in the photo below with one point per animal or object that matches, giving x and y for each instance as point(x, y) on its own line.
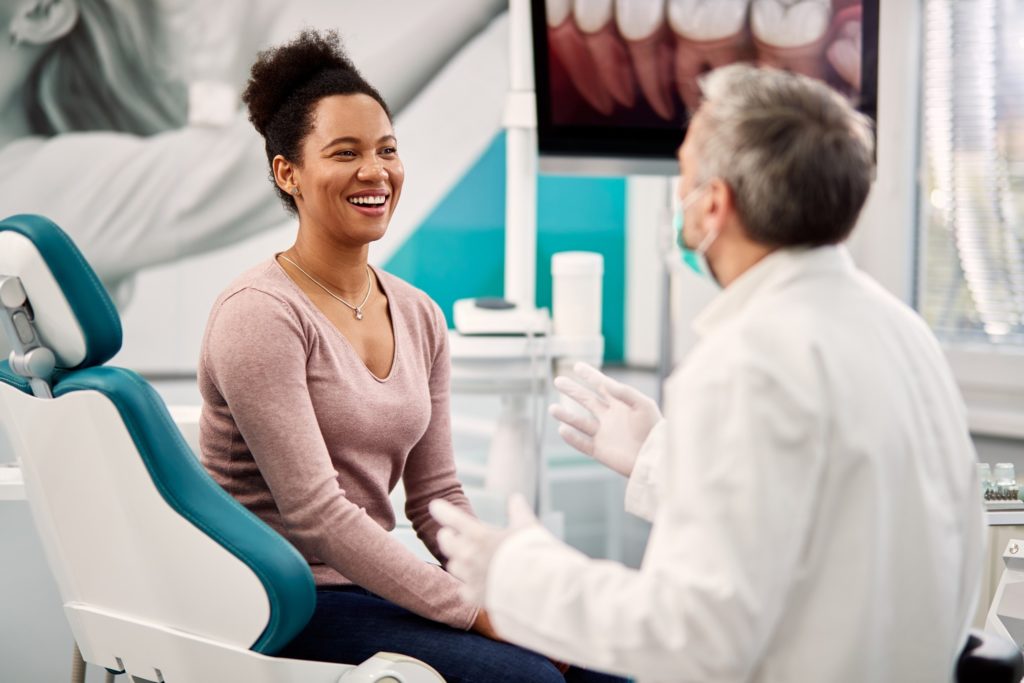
point(39, 22)
point(719, 204)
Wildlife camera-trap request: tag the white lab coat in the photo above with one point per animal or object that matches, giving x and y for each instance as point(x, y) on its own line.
point(815, 503)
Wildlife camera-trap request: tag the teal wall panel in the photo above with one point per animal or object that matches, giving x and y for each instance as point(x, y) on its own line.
point(459, 250)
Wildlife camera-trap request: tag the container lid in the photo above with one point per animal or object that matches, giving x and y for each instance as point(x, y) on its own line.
point(577, 263)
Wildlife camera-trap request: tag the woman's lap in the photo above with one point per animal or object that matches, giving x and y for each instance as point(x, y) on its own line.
point(351, 625)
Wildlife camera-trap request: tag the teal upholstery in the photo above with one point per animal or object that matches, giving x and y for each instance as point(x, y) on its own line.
point(85, 294)
point(187, 488)
point(177, 474)
point(9, 377)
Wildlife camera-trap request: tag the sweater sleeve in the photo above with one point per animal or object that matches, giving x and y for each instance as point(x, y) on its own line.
point(255, 354)
point(430, 468)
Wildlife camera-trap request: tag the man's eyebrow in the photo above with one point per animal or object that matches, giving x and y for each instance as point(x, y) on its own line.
point(354, 140)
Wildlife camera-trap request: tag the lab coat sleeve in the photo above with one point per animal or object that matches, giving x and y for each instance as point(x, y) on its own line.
point(641, 489)
point(745, 451)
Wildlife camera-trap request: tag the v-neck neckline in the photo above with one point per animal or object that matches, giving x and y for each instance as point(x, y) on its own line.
point(392, 313)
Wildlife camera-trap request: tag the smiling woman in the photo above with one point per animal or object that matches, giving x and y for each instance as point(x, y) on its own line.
point(350, 177)
point(325, 381)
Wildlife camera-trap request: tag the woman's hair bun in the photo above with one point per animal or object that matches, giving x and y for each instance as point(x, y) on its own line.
point(286, 85)
point(280, 71)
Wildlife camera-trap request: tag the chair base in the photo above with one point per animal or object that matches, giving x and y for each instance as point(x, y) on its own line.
point(154, 653)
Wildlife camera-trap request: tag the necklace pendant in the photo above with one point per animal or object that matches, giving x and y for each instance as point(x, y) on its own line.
point(359, 313)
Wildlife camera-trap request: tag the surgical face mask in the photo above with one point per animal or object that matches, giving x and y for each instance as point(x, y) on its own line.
point(696, 258)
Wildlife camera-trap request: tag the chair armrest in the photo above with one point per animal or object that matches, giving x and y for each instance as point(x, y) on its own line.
point(187, 420)
point(387, 667)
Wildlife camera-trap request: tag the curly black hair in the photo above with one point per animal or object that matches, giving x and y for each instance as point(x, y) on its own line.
point(285, 84)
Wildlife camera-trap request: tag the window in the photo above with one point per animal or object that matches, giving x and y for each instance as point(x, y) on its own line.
point(971, 267)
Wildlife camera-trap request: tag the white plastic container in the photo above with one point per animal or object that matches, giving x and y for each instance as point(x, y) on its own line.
point(576, 293)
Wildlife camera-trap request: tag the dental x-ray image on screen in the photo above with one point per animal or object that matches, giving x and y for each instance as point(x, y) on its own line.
point(618, 78)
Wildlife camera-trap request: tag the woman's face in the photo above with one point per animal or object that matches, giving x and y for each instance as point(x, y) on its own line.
point(351, 177)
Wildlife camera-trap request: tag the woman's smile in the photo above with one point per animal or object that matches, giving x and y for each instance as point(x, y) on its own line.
point(370, 202)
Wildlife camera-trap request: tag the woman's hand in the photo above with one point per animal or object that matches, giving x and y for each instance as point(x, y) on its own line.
point(482, 625)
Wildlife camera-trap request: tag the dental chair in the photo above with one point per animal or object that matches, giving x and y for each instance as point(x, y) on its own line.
point(989, 658)
point(163, 575)
point(996, 651)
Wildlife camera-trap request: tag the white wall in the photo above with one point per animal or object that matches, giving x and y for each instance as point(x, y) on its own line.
point(883, 241)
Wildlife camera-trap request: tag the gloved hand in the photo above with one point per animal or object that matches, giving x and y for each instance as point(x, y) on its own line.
point(617, 423)
point(470, 544)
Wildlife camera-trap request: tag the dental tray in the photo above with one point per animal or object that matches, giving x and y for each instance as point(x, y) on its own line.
point(1004, 504)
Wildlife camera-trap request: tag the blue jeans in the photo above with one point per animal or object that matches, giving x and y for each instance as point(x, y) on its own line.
point(351, 624)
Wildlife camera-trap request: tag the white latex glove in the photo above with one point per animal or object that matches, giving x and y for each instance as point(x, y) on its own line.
point(617, 421)
point(470, 544)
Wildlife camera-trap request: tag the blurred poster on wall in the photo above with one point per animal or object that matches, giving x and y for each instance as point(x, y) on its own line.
point(121, 121)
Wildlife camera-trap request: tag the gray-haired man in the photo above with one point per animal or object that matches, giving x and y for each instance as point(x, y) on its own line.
point(812, 486)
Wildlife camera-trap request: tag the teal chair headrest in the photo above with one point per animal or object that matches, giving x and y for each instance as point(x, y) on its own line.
point(73, 312)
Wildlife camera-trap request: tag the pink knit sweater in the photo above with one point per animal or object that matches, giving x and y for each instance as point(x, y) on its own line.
point(297, 428)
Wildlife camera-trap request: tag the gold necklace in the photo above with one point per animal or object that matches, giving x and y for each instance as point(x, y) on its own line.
point(356, 310)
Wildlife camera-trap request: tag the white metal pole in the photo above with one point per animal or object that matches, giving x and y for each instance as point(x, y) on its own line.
point(520, 163)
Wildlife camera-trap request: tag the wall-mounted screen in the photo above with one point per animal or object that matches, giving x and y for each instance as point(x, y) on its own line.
point(618, 78)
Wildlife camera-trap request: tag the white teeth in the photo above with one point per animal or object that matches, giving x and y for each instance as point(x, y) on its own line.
point(374, 200)
point(707, 19)
point(638, 19)
point(783, 23)
point(557, 11)
point(844, 53)
point(592, 15)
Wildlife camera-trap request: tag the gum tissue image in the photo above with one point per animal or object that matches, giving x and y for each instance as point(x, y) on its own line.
point(621, 55)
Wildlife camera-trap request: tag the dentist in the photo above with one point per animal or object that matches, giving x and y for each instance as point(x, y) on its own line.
point(816, 515)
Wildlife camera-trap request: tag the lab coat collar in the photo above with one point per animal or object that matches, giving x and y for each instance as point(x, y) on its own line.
point(777, 267)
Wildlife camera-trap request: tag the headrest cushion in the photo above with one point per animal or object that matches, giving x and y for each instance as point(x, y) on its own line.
point(73, 312)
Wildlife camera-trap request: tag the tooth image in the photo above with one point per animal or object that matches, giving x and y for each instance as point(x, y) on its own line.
point(569, 47)
point(844, 50)
point(642, 24)
point(595, 19)
point(791, 35)
point(709, 33)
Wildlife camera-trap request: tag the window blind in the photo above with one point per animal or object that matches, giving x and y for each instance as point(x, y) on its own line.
point(970, 273)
